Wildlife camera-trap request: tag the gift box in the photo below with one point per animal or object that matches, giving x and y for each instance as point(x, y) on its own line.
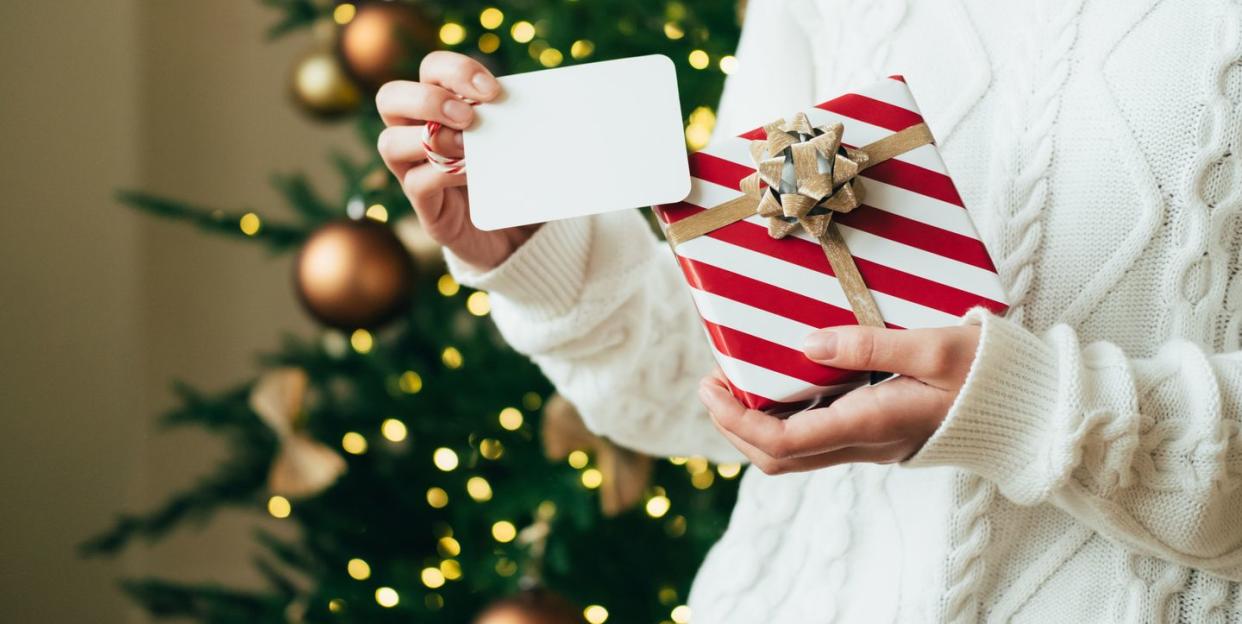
point(844, 214)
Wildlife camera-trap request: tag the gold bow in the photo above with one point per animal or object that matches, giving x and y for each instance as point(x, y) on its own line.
point(626, 473)
point(303, 466)
point(803, 175)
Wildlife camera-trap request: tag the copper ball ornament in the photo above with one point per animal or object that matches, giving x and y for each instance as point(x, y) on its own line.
point(353, 274)
point(321, 87)
point(385, 41)
point(531, 606)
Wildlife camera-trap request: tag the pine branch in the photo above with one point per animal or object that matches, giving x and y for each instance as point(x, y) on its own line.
point(297, 14)
point(278, 237)
point(297, 190)
point(206, 603)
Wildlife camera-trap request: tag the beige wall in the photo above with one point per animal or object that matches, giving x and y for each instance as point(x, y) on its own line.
point(101, 308)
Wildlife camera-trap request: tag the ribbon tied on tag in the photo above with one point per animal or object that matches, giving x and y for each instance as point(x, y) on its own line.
point(803, 176)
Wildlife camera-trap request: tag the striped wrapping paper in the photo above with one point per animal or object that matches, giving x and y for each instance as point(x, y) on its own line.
point(912, 240)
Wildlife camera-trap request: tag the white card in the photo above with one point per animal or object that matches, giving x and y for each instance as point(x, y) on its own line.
point(576, 141)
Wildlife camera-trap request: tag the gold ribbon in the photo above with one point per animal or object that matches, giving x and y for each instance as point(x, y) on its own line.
point(823, 182)
point(303, 466)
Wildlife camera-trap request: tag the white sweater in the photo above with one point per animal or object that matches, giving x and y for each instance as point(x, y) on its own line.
point(1090, 469)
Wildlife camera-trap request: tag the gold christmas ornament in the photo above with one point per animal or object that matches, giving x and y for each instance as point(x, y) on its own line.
point(428, 254)
point(303, 466)
point(353, 274)
point(531, 606)
point(385, 41)
point(626, 474)
point(320, 87)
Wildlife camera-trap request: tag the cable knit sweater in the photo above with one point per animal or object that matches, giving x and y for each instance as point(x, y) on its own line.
point(1089, 470)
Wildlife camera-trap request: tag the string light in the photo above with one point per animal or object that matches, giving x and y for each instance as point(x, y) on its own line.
point(478, 303)
point(546, 510)
point(410, 382)
point(336, 605)
point(444, 459)
point(696, 465)
point(699, 59)
point(595, 614)
point(592, 478)
point(537, 48)
point(673, 31)
point(387, 597)
point(677, 461)
point(344, 13)
point(433, 578)
point(447, 285)
point(523, 31)
point(699, 132)
point(377, 212)
point(358, 569)
point(681, 614)
point(506, 566)
point(394, 430)
point(551, 57)
point(581, 49)
point(354, 443)
point(452, 33)
point(491, 449)
point(361, 341)
point(578, 459)
point(491, 18)
point(434, 601)
point(279, 507)
point(479, 489)
point(250, 224)
point(657, 506)
point(728, 471)
point(488, 43)
point(437, 498)
point(728, 64)
point(504, 531)
point(448, 547)
point(532, 401)
point(510, 418)
point(676, 526)
point(703, 480)
point(451, 357)
point(668, 595)
point(450, 569)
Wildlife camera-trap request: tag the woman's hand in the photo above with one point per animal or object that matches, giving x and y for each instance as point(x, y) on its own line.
point(884, 423)
point(440, 198)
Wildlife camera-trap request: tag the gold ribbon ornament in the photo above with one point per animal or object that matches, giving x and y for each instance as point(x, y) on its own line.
point(803, 175)
point(303, 466)
point(626, 473)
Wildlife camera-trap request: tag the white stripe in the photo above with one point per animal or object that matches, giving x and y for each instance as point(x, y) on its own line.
point(880, 250)
point(773, 385)
point(893, 92)
point(750, 320)
point(857, 133)
point(804, 281)
point(879, 195)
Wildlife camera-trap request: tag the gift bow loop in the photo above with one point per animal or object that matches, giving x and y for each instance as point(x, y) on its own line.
point(803, 175)
point(303, 466)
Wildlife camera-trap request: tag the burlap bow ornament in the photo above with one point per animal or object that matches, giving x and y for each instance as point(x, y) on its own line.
point(303, 466)
point(803, 175)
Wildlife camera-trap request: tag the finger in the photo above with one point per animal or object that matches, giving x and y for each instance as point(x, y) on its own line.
point(424, 185)
point(402, 102)
point(401, 147)
point(460, 74)
point(875, 415)
point(887, 453)
point(765, 432)
point(940, 356)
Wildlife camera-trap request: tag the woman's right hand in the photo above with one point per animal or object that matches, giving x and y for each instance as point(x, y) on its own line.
point(440, 198)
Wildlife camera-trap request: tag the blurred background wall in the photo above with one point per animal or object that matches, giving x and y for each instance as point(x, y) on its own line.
point(101, 308)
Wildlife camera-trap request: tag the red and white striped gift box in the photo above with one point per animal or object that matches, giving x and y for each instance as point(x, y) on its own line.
point(912, 240)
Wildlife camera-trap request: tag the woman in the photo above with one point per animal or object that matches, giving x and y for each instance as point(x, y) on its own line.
point(1078, 460)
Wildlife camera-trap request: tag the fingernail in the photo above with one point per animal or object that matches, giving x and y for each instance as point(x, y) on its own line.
point(485, 83)
point(821, 345)
point(457, 110)
point(459, 139)
point(707, 393)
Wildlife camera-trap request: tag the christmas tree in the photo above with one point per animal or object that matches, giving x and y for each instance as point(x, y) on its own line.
point(429, 470)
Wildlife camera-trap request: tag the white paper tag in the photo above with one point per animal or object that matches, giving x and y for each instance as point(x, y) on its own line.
point(576, 141)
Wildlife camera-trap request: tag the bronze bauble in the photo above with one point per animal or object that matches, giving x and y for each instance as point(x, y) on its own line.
point(385, 41)
point(532, 606)
point(320, 86)
point(352, 274)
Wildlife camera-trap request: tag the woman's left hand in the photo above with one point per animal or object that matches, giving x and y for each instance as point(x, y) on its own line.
point(884, 423)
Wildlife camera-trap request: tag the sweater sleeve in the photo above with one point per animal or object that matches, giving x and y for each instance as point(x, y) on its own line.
point(598, 304)
point(1145, 451)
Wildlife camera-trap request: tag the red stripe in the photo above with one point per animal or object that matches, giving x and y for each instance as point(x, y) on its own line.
point(879, 222)
point(767, 297)
point(915, 178)
point(774, 357)
point(809, 255)
point(872, 111)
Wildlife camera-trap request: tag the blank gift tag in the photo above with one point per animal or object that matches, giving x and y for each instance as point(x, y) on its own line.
point(576, 141)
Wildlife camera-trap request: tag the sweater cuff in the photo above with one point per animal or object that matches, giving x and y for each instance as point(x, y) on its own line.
point(1000, 426)
point(544, 276)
